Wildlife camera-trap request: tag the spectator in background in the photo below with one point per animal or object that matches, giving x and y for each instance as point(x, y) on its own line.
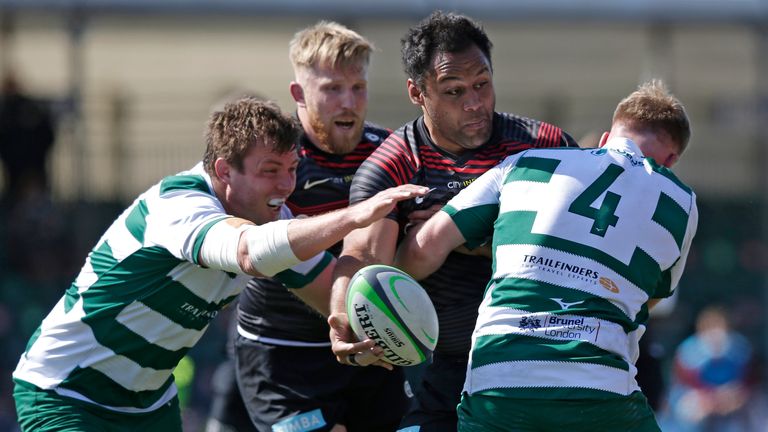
point(26, 138)
point(712, 388)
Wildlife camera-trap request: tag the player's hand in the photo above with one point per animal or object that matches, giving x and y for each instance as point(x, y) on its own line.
point(381, 204)
point(348, 350)
point(418, 217)
point(485, 250)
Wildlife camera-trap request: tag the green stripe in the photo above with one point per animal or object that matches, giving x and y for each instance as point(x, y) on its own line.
point(135, 278)
point(34, 337)
point(515, 228)
point(100, 388)
point(550, 393)
point(497, 348)
point(182, 306)
point(536, 296)
point(102, 259)
point(534, 169)
point(136, 222)
point(671, 217)
point(70, 298)
point(294, 279)
point(665, 285)
point(201, 237)
point(184, 182)
point(475, 223)
point(666, 172)
point(118, 338)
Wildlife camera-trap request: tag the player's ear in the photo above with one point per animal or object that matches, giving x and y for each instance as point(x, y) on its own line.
point(222, 169)
point(415, 93)
point(297, 93)
point(671, 159)
point(603, 139)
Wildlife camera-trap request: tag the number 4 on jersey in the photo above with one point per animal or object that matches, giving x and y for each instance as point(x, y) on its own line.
point(605, 215)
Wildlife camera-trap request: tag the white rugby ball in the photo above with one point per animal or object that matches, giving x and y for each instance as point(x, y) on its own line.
point(388, 306)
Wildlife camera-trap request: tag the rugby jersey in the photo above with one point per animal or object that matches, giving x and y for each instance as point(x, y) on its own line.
point(582, 239)
point(140, 302)
point(266, 309)
point(410, 156)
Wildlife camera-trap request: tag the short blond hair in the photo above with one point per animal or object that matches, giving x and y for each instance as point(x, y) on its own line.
point(328, 43)
point(653, 108)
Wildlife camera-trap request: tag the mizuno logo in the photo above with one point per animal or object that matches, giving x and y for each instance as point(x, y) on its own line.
point(565, 305)
point(311, 184)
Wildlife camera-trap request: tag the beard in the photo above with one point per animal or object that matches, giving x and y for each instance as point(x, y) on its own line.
point(333, 139)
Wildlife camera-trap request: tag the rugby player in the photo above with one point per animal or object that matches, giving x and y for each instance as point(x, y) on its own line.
point(459, 136)
point(103, 358)
point(287, 374)
point(585, 243)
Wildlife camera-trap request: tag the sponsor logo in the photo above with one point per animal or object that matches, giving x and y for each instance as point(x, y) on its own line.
point(304, 422)
point(609, 284)
point(372, 137)
point(393, 337)
point(363, 315)
point(561, 328)
point(198, 313)
point(459, 184)
point(565, 305)
point(633, 160)
point(530, 323)
point(561, 268)
point(310, 184)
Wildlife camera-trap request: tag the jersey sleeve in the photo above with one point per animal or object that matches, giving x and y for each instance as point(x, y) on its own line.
point(390, 165)
point(475, 209)
point(179, 220)
point(676, 271)
point(552, 136)
point(303, 273)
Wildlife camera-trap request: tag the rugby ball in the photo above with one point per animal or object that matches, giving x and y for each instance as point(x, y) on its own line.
point(388, 306)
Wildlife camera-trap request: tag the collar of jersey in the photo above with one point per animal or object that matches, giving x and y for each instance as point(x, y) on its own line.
point(625, 145)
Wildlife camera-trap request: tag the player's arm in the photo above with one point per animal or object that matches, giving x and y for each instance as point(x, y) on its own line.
point(467, 219)
point(676, 271)
point(374, 244)
point(425, 248)
point(239, 246)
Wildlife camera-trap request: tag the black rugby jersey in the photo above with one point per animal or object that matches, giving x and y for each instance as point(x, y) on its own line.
point(410, 156)
point(266, 308)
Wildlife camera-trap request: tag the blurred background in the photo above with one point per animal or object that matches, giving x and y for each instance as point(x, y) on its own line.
point(109, 96)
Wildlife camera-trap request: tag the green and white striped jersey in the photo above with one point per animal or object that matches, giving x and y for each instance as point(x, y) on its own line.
point(582, 239)
point(140, 302)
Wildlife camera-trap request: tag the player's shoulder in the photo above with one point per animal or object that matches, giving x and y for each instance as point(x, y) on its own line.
point(401, 140)
point(191, 180)
point(374, 133)
point(522, 129)
point(667, 173)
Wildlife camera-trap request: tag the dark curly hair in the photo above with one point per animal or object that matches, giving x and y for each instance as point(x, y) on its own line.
point(245, 123)
point(440, 32)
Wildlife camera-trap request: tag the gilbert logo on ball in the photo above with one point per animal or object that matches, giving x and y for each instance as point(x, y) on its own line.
point(388, 306)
